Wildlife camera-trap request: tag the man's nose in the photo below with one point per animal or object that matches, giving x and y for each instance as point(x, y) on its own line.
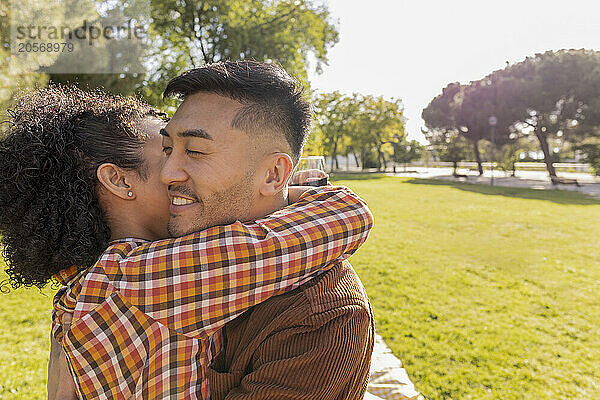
point(173, 171)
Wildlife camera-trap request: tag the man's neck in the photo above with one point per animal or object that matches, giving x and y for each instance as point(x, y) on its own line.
point(270, 205)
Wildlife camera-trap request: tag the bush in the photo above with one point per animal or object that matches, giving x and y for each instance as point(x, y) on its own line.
point(591, 151)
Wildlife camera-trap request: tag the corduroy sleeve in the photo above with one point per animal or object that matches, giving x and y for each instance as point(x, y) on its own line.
point(329, 360)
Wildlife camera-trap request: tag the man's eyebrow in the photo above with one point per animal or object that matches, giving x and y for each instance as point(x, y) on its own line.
point(197, 133)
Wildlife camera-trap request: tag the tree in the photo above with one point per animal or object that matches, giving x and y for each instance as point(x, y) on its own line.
point(591, 151)
point(511, 152)
point(193, 33)
point(406, 152)
point(475, 104)
point(378, 123)
point(336, 115)
point(188, 34)
point(552, 95)
point(107, 62)
point(451, 147)
point(439, 115)
point(466, 109)
point(441, 129)
point(363, 124)
point(15, 73)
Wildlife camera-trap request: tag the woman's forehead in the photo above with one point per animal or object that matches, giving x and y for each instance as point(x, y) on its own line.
point(151, 125)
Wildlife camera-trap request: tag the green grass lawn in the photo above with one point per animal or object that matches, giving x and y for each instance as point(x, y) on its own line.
point(24, 342)
point(484, 293)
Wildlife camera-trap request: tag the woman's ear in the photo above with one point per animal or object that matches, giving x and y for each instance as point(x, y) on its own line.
point(279, 167)
point(115, 180)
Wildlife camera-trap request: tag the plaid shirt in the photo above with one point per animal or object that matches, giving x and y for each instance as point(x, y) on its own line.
point(145, 315)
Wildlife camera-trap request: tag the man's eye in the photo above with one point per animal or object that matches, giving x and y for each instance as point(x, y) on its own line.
point(167, 150)
point(194, 153)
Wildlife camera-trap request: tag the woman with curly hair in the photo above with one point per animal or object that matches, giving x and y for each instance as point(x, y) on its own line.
point(59, 145)
point(81, 202)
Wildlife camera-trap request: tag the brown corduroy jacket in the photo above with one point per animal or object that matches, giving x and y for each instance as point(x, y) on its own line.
point(312, 343)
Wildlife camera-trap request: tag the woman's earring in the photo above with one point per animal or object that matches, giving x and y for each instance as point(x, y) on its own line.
point(130, 193)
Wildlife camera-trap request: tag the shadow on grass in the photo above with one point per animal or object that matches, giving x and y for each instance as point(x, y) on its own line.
point(555, 196)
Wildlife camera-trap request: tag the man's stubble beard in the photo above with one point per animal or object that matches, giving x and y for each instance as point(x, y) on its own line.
point(219, 208)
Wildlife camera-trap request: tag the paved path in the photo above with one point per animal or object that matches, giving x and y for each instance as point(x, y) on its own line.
point(525, 179)
point(389, 380)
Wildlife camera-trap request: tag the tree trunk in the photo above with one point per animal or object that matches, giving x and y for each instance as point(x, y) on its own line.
point(477, 156)
point(363, 157)
point(455, 165)
point(380, 158)
point(547, 156)
point(356, 159)
point(334, 156)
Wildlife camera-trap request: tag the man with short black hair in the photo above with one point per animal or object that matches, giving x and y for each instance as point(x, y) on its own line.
point(231, 147)
point(232, 143)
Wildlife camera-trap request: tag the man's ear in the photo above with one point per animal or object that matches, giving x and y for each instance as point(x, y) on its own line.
point(279, 167)
point(115, 180)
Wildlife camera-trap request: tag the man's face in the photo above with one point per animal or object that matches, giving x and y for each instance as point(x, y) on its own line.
point(209, 170)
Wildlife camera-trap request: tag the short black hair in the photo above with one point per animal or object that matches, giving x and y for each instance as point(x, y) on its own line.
point(51, 147)
point(272, 99)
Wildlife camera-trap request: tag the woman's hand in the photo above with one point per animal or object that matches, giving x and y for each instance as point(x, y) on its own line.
point(301, 178)
point(307, 175)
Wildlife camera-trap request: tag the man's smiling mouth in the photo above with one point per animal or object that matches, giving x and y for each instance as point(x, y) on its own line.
point(181, 201)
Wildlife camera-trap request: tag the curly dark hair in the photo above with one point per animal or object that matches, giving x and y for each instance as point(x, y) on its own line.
point(51, 147)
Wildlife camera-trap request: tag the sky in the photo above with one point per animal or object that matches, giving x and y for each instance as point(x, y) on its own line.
point(412, 49)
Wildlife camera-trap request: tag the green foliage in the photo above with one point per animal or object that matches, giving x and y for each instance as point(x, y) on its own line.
point(406, 152)
point(314, 144)
point(369, 159)
point(449, 146)
point(591, 150)
point(336, 120)
point(356, 124)
point(125, 84)
point(190, 34)
point(510, 154)
point(184, 35)
point(554, 96)
point(209, 31)
point(460, 110)
point(549, 95)
point(14, 76)
point(380, 121)
point(480, 296)
point(467, 109)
